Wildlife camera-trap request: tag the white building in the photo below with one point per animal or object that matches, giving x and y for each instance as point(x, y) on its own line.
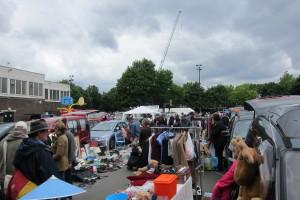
point(25, 84)
point(29, 94)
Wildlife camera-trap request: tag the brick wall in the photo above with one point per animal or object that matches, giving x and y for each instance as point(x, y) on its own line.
point(24, 107)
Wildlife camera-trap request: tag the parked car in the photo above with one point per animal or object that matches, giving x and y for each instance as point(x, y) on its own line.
point(93, 116)
point(108, 133)
point(5, 128)
point(275, 132)
point(78, 125)
point(239, 127)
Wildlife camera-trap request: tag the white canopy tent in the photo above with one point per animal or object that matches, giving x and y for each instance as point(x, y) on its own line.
point(179, 111)
point(139, 111)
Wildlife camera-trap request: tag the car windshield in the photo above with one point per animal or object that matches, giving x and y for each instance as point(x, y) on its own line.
point(241, 128)
point(292, 174)
point(104, 126)
point(290, 123)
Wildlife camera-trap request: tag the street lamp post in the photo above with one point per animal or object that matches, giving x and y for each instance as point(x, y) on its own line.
point(198, 67)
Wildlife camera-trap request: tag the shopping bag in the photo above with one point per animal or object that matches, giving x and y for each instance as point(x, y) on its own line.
point(207, 164)
point(212, 150)
point(214, 162)
point(189, 148)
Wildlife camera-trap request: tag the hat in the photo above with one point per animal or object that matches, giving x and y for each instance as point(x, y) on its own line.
point(21, 125)
point(38, 126)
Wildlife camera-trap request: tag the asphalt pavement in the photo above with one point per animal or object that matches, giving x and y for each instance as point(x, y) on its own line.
point(117, 181)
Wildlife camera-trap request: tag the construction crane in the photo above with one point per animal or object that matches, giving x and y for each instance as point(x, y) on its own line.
point(169, 41)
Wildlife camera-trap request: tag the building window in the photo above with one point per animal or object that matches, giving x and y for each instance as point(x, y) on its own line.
point(68, 94)
point(51, 94)
point(3, 85)
point(40, 89)
point(61, 94)
point(54, 94)
point(31, 88)
point(12, 86)
point(24, 87)
point(57, 95)
point(46, 93)
point(18, 86)
point(36, 89)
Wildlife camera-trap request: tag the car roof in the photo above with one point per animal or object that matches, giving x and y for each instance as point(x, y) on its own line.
point(261, 105)
point(116, 121)
point(4, 128)
point(80, 112)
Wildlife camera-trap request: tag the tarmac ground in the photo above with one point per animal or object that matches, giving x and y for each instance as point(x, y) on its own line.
point(116, 181)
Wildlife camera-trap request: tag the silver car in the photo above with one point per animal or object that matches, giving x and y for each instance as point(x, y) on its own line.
point(108, 133)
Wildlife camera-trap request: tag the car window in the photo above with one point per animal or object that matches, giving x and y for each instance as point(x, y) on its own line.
point(82, 124)
point(104, 126)
point(266, 169)
point(241, 128)
point(70, 125)
point(290, 123)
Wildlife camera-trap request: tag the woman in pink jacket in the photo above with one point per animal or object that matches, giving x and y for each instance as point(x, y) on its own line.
point(223, 187)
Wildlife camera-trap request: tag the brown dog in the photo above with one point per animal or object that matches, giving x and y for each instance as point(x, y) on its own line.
point(246, 173)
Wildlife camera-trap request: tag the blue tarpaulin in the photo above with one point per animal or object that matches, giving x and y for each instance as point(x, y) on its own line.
point(53, 188)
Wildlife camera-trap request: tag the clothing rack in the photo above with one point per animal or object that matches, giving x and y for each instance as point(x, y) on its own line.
point(200, 162)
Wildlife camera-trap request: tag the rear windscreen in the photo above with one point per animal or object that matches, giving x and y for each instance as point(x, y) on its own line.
point(241, 128)
point(290, 123)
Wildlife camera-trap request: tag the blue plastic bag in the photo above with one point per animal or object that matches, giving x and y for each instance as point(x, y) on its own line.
point(214, 162)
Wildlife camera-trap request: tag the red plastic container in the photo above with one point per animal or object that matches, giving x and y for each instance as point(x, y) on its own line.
point(165, 185)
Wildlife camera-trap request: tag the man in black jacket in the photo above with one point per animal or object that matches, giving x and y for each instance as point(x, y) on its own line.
point(34, 158)
point(217, 138)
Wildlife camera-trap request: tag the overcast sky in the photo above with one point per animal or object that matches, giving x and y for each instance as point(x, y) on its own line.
point(236, 41)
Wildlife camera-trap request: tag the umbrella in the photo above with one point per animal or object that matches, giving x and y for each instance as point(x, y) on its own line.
point(51, 189)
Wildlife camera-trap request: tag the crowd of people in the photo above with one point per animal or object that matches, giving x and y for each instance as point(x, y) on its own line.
point(216, 127)
point(31, 157)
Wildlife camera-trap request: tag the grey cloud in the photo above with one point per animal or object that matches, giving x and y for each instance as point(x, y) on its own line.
point(236, 41)
point(7, 9)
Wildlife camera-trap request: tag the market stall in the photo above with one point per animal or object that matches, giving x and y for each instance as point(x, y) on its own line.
point(139, 111)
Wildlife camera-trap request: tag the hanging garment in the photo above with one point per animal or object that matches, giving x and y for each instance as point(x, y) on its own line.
point(155, 149)
point(181, 149)
point(165, 158)
point(175, 149)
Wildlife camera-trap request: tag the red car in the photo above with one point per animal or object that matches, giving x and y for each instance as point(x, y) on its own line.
point(78, 125)
point(93, 116)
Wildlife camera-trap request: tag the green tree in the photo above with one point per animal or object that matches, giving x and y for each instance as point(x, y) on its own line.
point(136, 86)
point(163, 83)
point(269, 89)
point(176, 95)
point(286, 83)
point(110, 101)
point(92, 97)
point(192, 94)
point(242, 93)
point(217, 96)
point(296, 86)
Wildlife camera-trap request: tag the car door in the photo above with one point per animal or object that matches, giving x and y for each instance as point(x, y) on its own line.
point(266, 146)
